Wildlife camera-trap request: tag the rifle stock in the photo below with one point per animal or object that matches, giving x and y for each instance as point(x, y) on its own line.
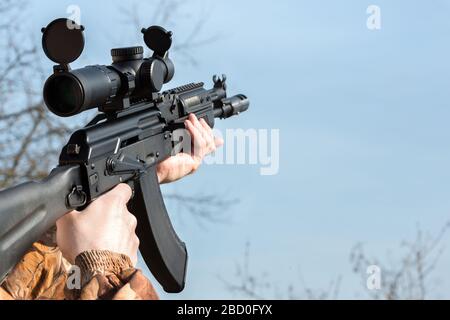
point(123, 144)
point(28, 210)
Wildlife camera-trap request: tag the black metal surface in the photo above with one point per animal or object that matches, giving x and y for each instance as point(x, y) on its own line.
point(124, 143)
point(63, 41)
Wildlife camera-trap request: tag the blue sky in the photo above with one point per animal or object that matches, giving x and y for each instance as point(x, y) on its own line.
point(363, 118)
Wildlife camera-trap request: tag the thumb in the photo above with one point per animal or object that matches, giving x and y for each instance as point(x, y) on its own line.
point(122, 192)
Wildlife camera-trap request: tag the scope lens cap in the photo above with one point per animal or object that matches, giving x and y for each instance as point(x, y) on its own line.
point(63, 40)
point(158, 39)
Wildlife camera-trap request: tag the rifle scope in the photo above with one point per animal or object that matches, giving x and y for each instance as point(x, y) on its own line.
point(130, 76)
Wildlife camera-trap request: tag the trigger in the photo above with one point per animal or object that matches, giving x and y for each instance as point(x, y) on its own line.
point(131, 184)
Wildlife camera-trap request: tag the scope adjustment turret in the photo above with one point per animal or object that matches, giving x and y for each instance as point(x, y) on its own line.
point(127, 54)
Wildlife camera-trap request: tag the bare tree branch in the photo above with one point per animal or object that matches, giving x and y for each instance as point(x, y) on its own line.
point(23, 116)
point(31, 137)
point(169, 13)
point(204, 208)
point(409, 277)
point(249, 285)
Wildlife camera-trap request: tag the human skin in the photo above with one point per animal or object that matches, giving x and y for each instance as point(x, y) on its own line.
point(106, 224)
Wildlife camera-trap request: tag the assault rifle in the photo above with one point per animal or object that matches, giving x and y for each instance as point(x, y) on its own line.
point(130, 135)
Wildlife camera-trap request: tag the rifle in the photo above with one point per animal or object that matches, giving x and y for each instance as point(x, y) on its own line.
point(131, 134)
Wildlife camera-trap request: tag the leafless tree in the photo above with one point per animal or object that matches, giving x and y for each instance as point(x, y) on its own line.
point(407, 277)
point(253, 286)
point(30, 136)
point(204, 207)
point(174, 15)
